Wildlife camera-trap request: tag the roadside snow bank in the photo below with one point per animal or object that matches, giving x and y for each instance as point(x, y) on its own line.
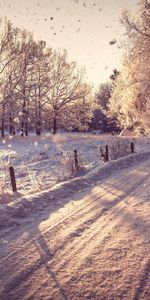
point(11, 214)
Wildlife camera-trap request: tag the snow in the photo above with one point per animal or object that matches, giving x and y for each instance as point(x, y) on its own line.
point(87, 238)
point(41, 162)
point(38, 161)
point(40, 177)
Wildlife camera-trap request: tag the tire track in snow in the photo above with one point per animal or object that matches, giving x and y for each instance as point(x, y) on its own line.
point(85, 226)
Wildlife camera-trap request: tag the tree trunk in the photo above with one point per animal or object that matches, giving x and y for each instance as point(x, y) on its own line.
point(38, 123)
point(54, 125)
point(26, 128)
point(23, 123)
point(3, 129)
point(38, 127)
point(3, 121)
point(27, 118)
point(22, 128)
point(11, 129)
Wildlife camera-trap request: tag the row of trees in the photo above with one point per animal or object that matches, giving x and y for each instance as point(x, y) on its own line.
point(39, 88)
point(124, 101)
point(130, 101)
point(102, 118)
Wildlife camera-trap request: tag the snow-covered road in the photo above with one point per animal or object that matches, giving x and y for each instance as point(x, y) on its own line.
point(94, 245)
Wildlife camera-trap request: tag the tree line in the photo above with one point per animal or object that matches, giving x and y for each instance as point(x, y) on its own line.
point(130, 100)
point(125, 99)
point(39, 87)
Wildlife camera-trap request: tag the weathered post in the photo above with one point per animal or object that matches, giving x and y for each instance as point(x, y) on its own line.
point(76, 160)
point(13, 180)
point(104, 155)
point(107, 153)
point(132, 147)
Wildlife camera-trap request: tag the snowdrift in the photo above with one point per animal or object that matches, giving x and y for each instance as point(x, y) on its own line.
point(12, 213)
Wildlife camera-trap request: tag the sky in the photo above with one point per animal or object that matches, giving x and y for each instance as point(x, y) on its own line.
point(83, 27)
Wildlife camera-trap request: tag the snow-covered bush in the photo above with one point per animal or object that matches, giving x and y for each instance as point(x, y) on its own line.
point(119, 147)
point(68, 168)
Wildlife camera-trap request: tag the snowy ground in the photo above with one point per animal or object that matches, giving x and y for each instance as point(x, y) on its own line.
point(41, 162)
point(88, 238)
point(85, 238)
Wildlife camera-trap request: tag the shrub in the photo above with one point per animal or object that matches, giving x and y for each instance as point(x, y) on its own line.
point(119, 147)
point(68, 168)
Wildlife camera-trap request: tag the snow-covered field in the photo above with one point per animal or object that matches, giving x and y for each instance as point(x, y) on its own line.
point(87, 237)
point(43, 170)
point(41, 162)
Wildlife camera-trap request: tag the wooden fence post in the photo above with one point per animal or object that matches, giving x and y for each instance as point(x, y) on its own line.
point(13, 180)
point(107, 153)
point(132, 147)
point(76, 160)
point(104, 155)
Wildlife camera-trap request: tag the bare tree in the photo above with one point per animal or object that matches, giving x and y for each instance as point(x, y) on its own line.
point(38, 84)
point(8, 45)
point(67, 86)
point(9, 52)
point(41, 81)
point(28, 52)
point(131, 97)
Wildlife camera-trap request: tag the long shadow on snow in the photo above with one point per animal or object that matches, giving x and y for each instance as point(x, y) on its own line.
point(44, 250)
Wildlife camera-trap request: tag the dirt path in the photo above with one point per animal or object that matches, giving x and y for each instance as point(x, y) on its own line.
point(95, 247)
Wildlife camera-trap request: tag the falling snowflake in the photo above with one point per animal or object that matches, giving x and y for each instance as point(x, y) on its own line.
point(16, 120)
point(112, 42)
